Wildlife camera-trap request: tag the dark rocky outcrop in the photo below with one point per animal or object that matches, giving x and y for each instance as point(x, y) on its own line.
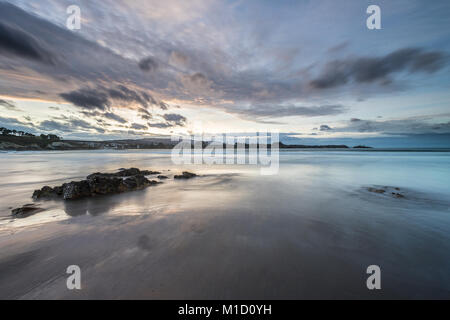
point(397, 195)
point(149, 172)
point(185, 175)
point(76, 190)
point(375, 190)
point(100, 184)
point(162, 177)
point(25, 211)
point(387, 191)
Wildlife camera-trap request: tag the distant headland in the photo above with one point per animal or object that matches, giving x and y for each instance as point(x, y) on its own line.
point(13, 140)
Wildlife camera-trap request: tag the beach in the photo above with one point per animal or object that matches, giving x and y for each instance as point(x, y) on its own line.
point(309, 231)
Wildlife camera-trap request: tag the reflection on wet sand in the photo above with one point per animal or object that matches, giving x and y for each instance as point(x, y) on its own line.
point(309, 232)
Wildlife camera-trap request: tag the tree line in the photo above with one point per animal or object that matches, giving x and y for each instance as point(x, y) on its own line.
point(18, 133)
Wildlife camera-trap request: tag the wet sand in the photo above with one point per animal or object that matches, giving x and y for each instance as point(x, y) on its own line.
point(231, 234)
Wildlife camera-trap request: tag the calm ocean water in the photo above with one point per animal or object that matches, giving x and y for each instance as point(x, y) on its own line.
point(309, 231)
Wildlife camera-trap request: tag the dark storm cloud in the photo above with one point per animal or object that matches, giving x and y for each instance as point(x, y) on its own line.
point(206, 72)
point(144, 111)
point(87, 98)
point(145, 114)
point(403, 126)
point(163, 105)
point(13, 123)
point(148, 98)
point(263, 111)
point(148, 64)
point(102, 98)
point(79, 61)
point(324, 127)
point(15, 42)
point(198, 77)
point(175, 119)
point(372, 69)
point(8, 105)
point(160, 125)
point(125, 94)
point(115, 117)
point(51, 125)
point(71, 125)
point(138, 126)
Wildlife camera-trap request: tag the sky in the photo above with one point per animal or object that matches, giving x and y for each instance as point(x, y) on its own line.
point(311, 70)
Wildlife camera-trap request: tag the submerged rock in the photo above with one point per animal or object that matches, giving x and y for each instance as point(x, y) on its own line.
point(376, 190)
point(162, 177)
point(387, 191)
point(185, 175)
point(128, 172)
point(397, 195)
point(25, 211)
point(149, 172)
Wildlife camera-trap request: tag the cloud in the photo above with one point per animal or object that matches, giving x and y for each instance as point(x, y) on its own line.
point(402, 126)
point(178, 59)
point(87, 98)
point(115, 117)
point(125, 94)
point(8, 105)
point(144, 114)
point(160, 125)
point(251, 70)
point(324, 127)
point(13, 123)
point(371, 69)
point(163, 105)
point(71, 125)
point(138, 126)
point(175, 119)
point(51, 125)
point(198, 78)
point(270, 111)
point(15, 42)
point(102, 98)
point(148, 64)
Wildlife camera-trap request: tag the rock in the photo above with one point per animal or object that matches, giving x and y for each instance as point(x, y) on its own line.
point(162, 177)
point(376, 190)
point(149, 172)
point(398, 195)
point(100, 184)
point(76, 190)
point(387, 191)
point(128, 172)
point(26, 211)
point(58, 190)
point(185, 175)
point(45, 192)
point(102, 175)
point(130, 183)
